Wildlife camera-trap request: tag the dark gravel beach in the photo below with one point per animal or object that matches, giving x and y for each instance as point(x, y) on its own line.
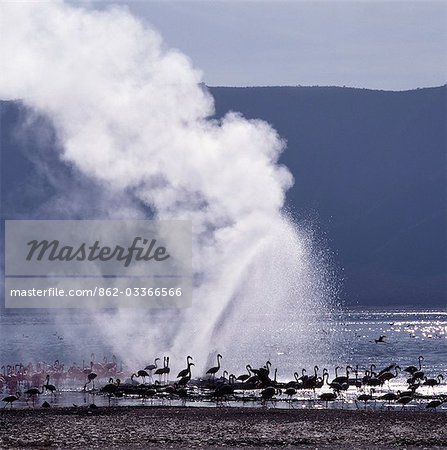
point(178, 428)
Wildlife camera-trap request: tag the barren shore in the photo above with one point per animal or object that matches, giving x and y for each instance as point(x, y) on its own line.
point(231, 428)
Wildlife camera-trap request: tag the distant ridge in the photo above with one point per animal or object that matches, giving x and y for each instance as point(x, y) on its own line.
point(369, 166)
point(299, 86)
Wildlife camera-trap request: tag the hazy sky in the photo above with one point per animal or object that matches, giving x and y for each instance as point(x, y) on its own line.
point(383, 45)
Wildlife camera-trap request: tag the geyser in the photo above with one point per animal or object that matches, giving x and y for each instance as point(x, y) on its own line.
point(137, 118)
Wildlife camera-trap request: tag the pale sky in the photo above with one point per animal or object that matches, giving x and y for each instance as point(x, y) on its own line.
point(382, 45)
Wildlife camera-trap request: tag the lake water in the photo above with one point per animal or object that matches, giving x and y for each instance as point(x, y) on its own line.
point(29, 336)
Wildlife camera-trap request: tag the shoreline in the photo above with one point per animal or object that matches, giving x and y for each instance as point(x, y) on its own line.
point(219, 427)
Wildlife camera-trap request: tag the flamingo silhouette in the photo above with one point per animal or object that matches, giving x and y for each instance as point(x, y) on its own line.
point(185, 372)
point(215, 369)
point(10, 399)
point(50, 387)
point(32, 393)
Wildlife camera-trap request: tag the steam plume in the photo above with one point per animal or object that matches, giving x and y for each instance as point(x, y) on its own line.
point(135, 116)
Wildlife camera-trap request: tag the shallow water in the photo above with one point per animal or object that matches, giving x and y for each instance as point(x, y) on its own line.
point(303, 400)
point(29, 336)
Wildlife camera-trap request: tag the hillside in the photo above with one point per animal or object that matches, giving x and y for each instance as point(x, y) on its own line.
point(369, 168)
point(371, 165)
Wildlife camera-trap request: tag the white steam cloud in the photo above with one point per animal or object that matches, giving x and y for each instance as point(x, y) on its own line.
point(134, 115)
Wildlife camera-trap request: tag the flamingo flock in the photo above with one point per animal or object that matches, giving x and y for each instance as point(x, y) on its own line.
point(365, 387)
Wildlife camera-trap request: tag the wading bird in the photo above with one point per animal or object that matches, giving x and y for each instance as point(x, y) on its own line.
point(389, 397)
point(152, 367)
point(32, 393)
point(222, 392)
point(433, 381)
point(140, 374)
point(50, 387)
point(387, 376)
point(364, 398)
point(91, 379)
point(185, 379)
point(111, 388)
point(268, 393)
point(215, 369)
point(414, 369)
point(11, 399)
point(341, 379)
point(245, 376)
point(433, 404)
point(290, 392)
point(328, 397)
point(165, 370)
point(185, 372)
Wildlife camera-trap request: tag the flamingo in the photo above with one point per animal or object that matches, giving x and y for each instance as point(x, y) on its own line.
point(50, 387)
point(418, 375)
point(435, 403)
point(185, 379)
point(341, 379)
point(268, 393)
point(223, 378)
point(387, 376)
point(245, 377)
point(273, 382)
point(111, 366)
point(370, 378)
point(389, 397)
point(111, 388)
point(91, 379)
point(321, 381)
point(165, 370)
point(315, 375)
point(185, 372)
point(215, 369)
point(10, 399)
point(160, 371)
point(303, 378)
point(223, 391)
point(141, 373)
point(263, 372)
point(152, 367)
point(364, 398)
point(433, 381)
point(312, 379)
point(328, 397)
point(413, 369)
point(32, 394)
